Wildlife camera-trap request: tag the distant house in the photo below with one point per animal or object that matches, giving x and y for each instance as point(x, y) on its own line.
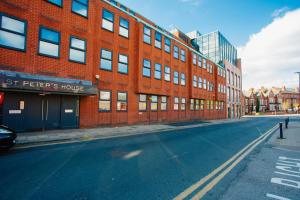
point(275, 99)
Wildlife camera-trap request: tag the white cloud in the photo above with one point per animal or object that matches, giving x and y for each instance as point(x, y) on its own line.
point(271, 56)
point(280, 11)
point(192, 2)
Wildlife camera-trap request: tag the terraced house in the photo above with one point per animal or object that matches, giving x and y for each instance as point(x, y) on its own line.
point(81, 63)
point(275, 99)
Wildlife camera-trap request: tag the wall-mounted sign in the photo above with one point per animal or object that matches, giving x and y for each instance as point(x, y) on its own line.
point(23, 81)
point(68, 110)
point(14, 112)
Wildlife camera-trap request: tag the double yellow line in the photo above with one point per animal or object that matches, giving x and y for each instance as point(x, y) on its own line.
point(234, 160)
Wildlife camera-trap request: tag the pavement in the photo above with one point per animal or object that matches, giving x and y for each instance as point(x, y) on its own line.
point(270, 172)
point(87, 134)
point(145, 166)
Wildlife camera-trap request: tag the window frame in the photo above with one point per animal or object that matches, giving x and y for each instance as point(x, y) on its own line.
point(146, 68)
point(167, 73)
point(127, 28)
point(158, 41)
point(126, 101)
point(159, 71)
point(60, 6)
point(77, 49)
point(123, 63)
point(182, 55)
point(150, 35)
point(182, 78)
point(110, 100)
point(109, 21)
point(139, 100)
point(163, 103)
point(154, 103)
point(13, 32)
point(174, 103)
point(174, 77)
point(87, 8)
point(176, 52)
point(112, 56)
point(45, 40)
point(167, 45)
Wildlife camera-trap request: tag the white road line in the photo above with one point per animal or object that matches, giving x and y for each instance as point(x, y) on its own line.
point(216, 180)
point(273, 196)
point(198, 184)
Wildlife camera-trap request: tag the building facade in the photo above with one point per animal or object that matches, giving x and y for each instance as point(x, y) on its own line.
point(72, 64)
point(216, 47)
point(274, 100)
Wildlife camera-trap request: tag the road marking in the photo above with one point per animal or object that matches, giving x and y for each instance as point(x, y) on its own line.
point(216, 180)
point(276, 197)
point(194, 187)
point(286, 174)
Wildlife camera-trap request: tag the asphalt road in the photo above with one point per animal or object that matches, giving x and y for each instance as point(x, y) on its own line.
point(154, 166)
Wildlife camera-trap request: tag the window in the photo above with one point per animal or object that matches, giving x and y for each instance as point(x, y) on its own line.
point(108, 20)
point(182, 55)
point(182, 80)
point(122, 101)
point(194, 59)
point(192, 104)
point(114, 2)
point(12, 33)
point(147, 68)
point(211, 105)
point(197, 104)
point(80, 7)
point(167, 73)
point(124, 27)
point(199, 61)
point(204, 84)
point(49, 42)
point(157, 71)
point(154, 103)
point(176, 52)
point(157, 40)
point(106, 60)
point(142, 102)
point(123, 64)
point(56, 2)
point(176, 103)
point(131, 12)
point(208, 104)
point(204, 63)
point(163, 104)
point(104, 100)
point(194, 81)
point(199, 82)
point(123, 7)
point(77, 50)
point(176, 81)
point(147, 35)
point(167, 45)
point(201, 104)
point(183, 102)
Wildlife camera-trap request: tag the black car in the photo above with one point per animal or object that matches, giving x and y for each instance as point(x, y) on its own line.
point(7, 137)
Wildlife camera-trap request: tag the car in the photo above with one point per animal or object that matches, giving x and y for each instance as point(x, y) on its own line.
point(7, 137)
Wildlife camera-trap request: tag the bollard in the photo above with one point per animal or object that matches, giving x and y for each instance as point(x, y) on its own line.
point(286, 123)
point(281, 132)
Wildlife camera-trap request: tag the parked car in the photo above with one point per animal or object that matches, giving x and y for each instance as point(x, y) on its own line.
point(7, 137)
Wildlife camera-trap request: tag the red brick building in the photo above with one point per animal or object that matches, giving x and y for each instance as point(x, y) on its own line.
point(80, 63)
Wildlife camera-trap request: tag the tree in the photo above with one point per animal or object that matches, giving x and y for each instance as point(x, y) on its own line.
point(257, 105)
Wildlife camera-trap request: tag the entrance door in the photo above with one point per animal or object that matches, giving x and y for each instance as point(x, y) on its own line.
point(51, 111)
point(69, 112)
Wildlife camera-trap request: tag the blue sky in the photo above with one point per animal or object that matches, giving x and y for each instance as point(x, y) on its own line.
point(236, 19)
